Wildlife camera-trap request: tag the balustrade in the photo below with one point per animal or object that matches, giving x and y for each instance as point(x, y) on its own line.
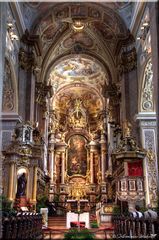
point(22, 226)
point(134, 227)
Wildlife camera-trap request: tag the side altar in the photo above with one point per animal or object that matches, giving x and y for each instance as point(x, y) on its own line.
point(78, 213)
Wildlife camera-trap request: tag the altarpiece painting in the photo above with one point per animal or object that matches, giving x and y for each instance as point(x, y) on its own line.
point(77, 156)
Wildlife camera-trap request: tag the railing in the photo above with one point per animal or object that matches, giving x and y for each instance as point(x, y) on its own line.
point(55, 207)
point(22, 226)
point(130, 227)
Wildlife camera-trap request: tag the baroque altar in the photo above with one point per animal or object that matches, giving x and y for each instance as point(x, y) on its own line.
point(77, 159)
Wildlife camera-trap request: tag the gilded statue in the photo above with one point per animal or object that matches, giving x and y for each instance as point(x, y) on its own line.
point(99, 177)
point(127, 127)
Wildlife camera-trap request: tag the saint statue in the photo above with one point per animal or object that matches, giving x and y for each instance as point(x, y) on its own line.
point(21, 186)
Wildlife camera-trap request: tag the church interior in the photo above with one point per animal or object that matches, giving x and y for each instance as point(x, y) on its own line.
point(79, 113)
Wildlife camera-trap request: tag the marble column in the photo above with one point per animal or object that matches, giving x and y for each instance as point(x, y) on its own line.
point(63, 168)
point(92, 148)
point(35, 183)
point(51, 157)
point(61, 149)
point(103, 156)
point(11, 181)
point(110, 145)
point(91, 167)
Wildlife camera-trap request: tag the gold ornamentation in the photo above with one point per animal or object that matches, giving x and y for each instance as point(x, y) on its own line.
point(152, 176)
point(77, 191)
point(99, 177)
point(127, 128)
point(78, 116)
point(88, 175)
point(150, 155)
point(108, 209)
point(25, 151)
point(23, 161)
point(66, 178)
point(128, 143)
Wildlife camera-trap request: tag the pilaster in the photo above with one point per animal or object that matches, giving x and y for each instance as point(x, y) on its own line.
point(147, 123)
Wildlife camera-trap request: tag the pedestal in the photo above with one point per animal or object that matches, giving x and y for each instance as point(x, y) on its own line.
point(21, 203)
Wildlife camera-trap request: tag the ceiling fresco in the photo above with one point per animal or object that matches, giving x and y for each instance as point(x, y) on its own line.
point(91, 101)
point(56, 26)
point(78, 69)
point(60, 18)
point(78, 37)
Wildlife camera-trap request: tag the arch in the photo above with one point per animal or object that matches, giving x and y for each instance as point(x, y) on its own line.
point(106, 62)
point(146, 92)
point(64, 14)
point(104, 65)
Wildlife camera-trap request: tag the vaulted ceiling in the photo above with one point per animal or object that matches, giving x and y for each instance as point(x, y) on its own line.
point(79, 43)
point(72, 29)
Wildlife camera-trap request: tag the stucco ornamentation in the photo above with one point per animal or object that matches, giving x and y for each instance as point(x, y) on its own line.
point(147, 90)
point(8, 91)
point(151, 166)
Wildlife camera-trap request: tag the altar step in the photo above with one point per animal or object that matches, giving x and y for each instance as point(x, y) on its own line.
point(57, 222)
point(58, 226)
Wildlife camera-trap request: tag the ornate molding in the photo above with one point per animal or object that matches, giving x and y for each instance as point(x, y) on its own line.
point(152, 176)
point(33, 40)
point(8, 102)
point(128, 144)
point(147, 89)
point(26, 60)
point(41, 91)
point(148, 123)
point(128, 60)
point(151, 164)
